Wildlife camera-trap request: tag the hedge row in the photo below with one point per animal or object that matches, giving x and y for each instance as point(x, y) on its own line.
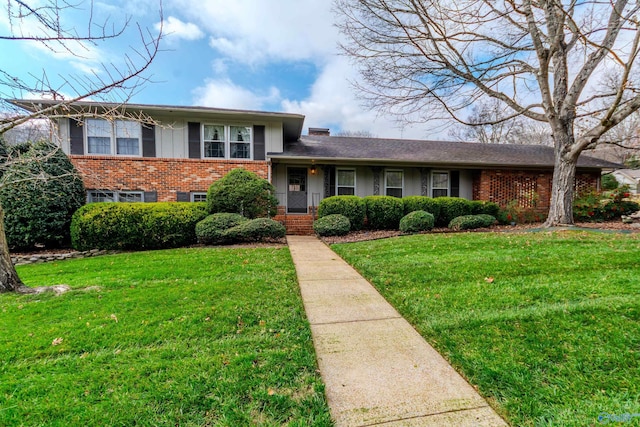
point(385, 212)
point(225, 228)
point(135, 225)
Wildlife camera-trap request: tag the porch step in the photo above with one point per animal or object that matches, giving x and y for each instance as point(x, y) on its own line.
point(299, 225)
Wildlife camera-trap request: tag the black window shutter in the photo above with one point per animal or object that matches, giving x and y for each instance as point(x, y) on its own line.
point(194, 140)
point(183, 196)
point(258, 143)
point(150, 196)
point(76, 137)
point(455, 184)
point(148, 141)
point(332, 182)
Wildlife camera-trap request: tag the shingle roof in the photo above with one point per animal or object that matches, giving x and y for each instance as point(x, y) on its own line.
point(462, 154)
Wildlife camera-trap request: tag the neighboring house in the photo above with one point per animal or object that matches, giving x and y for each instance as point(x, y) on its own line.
point(179, 151)
point(630, 177)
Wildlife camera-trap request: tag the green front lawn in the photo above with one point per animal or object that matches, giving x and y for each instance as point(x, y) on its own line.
point(547, 326)
point(188, 337)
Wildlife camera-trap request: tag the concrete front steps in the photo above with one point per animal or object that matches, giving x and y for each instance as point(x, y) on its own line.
point(297, 224)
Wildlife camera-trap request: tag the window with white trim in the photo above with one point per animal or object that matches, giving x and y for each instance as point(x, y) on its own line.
point(439, 184)
point(122, 137)
point(94, 196)
point(345, 182)
point(198, 197)
point(394, 183)
point(227, 142)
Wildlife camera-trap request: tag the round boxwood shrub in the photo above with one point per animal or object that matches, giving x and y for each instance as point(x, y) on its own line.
point(135, 226)
point(256, 230)
point(42, 191)
point(421, 203)
point(468, 222)
point(332, 225)
point(350, 206)
point(383, 212)
point(450, 208)
point(212, 229)
point(416, 222)
point(243, 192)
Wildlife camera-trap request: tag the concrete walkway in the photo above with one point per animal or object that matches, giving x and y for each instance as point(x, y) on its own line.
point(376, 368)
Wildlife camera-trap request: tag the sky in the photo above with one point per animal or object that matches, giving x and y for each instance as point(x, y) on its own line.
point(278, 55)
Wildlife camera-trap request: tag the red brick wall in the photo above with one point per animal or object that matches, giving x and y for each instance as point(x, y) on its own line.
point(166, 176)
point(503, 186)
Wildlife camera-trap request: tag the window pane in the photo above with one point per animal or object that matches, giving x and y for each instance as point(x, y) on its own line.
point(129, 146)
point(240, 150)
point(199, 197)
point(440, 193)
point(346, 191)
point(394, 179)
point(440, 180)
point(395, 192)
point(99, 145)
point(240, 133)
point(214, 149)
point(213, 133)
point(96, 127)
point(346, 178)
point(130, 197)
point(100, 196)
point(127, 129)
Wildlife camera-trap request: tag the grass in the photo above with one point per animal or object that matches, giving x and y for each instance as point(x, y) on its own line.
point(206, 337)
point(547, 326)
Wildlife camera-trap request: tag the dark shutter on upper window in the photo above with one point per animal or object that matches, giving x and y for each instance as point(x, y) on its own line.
point(194, 140)
point(76, 137)
point(148, 141)
point(332, 182)
point(258, 143)
point(183, 197)
point(150, 196)
point(455, 184)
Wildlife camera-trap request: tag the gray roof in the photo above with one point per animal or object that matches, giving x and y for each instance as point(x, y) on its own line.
point(428, 153)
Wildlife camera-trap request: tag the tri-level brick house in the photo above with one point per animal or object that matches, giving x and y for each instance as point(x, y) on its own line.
point(177, 152)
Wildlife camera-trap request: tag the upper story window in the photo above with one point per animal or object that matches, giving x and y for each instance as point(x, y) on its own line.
point(118, 137)
point(439, 184)
point(114, 196)
point(233, 142)
point(394, 183)
point(345, 182)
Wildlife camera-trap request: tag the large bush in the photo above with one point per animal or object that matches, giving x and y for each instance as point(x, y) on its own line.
point(243, 192)
point(594, 206)
point(42, 191)
point(479, 207)
point(350, 206)
point(416, 222)
point(135, 225)
point(383, 212)
point(212, 230)
point(256, 230)
point(421, 203)
point(609, 182)
point(332, 225)
point(468, 222)
point(452, 207)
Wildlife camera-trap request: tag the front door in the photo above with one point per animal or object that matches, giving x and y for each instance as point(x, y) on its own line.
point(297, 190)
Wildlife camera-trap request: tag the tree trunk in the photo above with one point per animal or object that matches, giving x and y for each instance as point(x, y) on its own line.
point(9, 280)
point(562, 188)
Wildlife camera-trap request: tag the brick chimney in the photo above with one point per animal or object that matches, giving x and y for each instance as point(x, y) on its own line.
point(319, 132)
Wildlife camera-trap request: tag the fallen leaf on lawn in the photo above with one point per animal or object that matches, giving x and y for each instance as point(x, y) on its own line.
point(114, 317)
point(57, 341)
point(271, 392)
point(489, 279)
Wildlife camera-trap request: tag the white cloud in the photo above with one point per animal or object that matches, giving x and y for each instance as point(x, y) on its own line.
point(223, 93)
point(173, 28)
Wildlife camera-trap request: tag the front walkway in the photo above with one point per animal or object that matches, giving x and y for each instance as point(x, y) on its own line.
point(376, 368)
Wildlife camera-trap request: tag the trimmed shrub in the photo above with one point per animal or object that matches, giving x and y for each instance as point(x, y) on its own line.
point(594, 206)
point(468, 222)
point(243, 192)
point(452, 207)
point(416, 222)
point(42, 191)
point(421, 203)
point(332, 225)
point(609, 182)
point(256, 230)
point(350, 206)
point(383, 212)
point(135, 226)
point(212, 229)
point(479, 207)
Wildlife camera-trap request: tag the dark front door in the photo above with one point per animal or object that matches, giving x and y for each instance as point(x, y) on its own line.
point(297, 190)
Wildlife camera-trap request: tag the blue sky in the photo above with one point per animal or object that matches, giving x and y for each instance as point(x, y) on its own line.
point(278, 55)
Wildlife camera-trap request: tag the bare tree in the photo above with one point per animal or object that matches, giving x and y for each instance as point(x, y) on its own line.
point(356, 133)
point(47, 24)
point(544, 59)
